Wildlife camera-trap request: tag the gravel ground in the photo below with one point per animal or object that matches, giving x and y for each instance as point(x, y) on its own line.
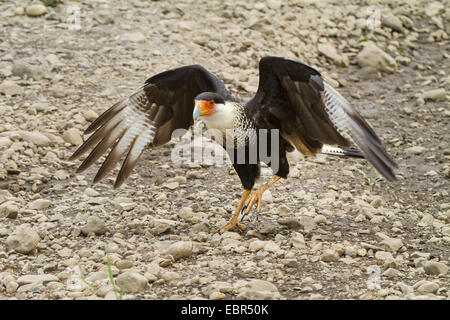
point(325, 233)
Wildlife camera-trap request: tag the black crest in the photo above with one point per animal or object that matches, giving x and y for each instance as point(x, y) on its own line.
point(210, 96)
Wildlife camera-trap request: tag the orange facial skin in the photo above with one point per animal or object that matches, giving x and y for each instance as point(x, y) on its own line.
point(206, 107)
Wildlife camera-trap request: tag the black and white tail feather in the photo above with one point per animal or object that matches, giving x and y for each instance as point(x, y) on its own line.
point(354, 128)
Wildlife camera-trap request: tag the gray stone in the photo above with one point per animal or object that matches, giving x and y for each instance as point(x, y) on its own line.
point(416, 150)
point(435, 268)
point(329, 255)
point(307, 222)
point(257, 245)
point(10, 88)
point(8, 210)
point(392, 22)
point(383, 255)
point(25, 70)
point(73, 136)
point(36, 278)
point(373, 56)
point(434, 95)
point(5, 142)
point(180, 249)
point(428, 287)
point(135, 36)
point(391, 244)
point(95, 225)
point(392, 273)
point(35, 10)
point(329, 51)
point(35, 137)
point(259, 290)
point(132, 282)
point(290, 222)
point(24, 239)
point(434, 8)
point(40, 204)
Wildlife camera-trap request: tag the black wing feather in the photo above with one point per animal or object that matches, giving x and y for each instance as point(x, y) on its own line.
point(148, 117)
point(309, 113)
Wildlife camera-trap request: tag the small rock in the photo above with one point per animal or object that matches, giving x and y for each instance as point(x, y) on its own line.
point(259, 290)
point(217, 296)
point(40, 204)
point(124, 264)
point(297, 240)
point(91, 192)
point(5, 142)
point(65, 252)
point(35, 137)
point(24, 239)
point(271, 246)
point(329, 51)
point(435, 268)
point(90, 115)
point(11, 286)
point(73, 136)
point(133, 37)
point(257, 245)
point(180, 249)
point(434, 8)
point(329, 255)
point(36, 10)
point(392, 273)
point(95, 225)
point(290, 222)
point(434, 95)
point(383, 255)
point(392, 22)
point(36, 278)
point(132, 282)
point(373, 56)
point(392, 244)
point(171, 185)
point(160, 226)
point(23, 69)
point(10, 88)
point(416, 150)
point(8, 210)
point(171, 276)
point(307, 222)
point(428, 287)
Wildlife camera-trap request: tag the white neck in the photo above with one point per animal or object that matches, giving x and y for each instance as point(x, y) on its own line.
point(223, 118)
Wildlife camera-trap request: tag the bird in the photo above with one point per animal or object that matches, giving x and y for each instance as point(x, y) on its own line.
point(294, 108)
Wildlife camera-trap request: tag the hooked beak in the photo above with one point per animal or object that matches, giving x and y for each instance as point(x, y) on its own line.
point(201, 108)
point(197, 113)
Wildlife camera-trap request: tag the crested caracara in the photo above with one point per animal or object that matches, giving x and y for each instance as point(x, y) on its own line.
point(292, 100)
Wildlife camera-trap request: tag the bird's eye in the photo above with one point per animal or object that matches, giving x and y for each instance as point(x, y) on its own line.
point(211, 103)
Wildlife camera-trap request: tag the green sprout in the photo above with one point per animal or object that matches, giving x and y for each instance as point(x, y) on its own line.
point(111, 279)
point(371, 181)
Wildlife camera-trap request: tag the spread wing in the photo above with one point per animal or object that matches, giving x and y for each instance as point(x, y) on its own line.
point(148, 117)
point(309, 113)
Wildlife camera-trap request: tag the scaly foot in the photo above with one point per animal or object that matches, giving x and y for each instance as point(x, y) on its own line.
point(256, 196)
point(230, 225)
point(234, 219)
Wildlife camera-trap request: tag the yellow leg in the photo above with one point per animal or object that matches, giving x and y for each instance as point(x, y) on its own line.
point(234, 219)
point(257, 195)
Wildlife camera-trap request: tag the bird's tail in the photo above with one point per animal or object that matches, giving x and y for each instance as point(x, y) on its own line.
point(342, 152)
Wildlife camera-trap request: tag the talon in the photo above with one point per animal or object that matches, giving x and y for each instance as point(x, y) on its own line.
point(257, 195)
point(230, 225)
point(234, 219)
